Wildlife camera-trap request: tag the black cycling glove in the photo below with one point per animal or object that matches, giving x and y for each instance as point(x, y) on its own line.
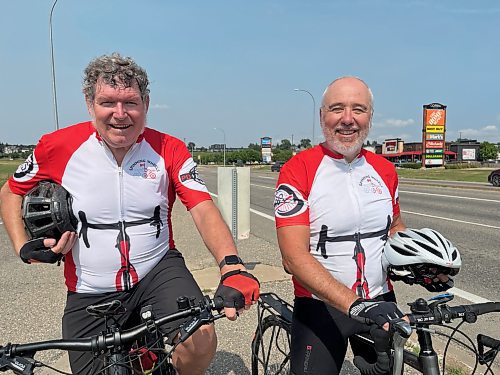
point(36, 250)
point(379, 312)
point(238, 288)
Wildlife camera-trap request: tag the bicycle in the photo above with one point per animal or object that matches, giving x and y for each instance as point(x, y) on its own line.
point(271, 342)
point(123, 350)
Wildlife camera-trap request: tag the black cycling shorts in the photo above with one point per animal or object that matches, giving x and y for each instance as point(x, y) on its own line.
point(160, 288)
point(320, 334)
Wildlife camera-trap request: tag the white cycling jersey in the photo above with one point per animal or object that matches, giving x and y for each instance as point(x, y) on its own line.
point(124, 212)
point(349, 208)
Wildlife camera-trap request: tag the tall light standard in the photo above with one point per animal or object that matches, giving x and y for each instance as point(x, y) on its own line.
point(314, 111)
point(224, 145)
point(53, 67)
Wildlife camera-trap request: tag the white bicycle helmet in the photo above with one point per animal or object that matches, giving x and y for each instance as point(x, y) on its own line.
point(418, 255)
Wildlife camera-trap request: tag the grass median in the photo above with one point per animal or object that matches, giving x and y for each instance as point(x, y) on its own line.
point(464, 175)
point(7, 168)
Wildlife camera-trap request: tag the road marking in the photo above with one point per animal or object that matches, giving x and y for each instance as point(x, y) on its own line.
point(455, 220)
point(269, 178)
point(450, 196)
point(269, 217)
point(468, 296)
point(263, 186)
point(456, 291)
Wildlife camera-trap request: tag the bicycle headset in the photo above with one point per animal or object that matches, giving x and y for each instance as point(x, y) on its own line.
point(418, 255)
point(47, 211)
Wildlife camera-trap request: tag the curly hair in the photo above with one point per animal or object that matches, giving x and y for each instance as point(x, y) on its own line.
point(115, 70)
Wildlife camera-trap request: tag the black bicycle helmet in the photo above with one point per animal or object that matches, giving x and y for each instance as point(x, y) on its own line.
point(418, 255)
point(47, 211)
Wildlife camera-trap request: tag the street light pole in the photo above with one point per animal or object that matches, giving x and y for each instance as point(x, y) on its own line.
point(224, 145)
point(314, 111)
point(53, 67)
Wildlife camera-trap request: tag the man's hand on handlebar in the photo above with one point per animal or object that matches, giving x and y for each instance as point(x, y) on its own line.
point(379, 312)
point(47, 250)
point(239, 290)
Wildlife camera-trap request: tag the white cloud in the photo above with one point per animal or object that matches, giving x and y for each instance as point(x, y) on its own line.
point(487, 129)
point(489, 133)
point(498, 117)
point(394, 123)
point(159, 106)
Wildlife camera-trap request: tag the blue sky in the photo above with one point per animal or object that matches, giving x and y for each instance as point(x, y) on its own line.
point(234, 64)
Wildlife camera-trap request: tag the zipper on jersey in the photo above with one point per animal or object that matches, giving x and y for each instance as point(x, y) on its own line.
point(354, 195)
point(123, 242)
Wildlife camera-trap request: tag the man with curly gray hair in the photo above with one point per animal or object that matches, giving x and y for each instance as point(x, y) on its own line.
point(123, 178)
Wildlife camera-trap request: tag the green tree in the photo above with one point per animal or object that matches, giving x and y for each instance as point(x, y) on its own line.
point(285, 145)
point(487, 151)
point(254, 146)
point(282, 155)
point(305, 143)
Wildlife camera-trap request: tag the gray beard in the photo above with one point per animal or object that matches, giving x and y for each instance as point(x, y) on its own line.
point(349, 152)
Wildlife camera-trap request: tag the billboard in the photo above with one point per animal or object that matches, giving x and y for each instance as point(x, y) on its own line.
point(433, 134)
point(434, 129)
point(435, 116)
point(434, 144)
point(266, 149)
point(266, 142)
point(392, 146)
point(469, 154)
point(434, 162)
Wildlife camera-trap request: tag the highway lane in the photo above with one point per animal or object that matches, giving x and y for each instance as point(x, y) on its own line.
point(470, 218)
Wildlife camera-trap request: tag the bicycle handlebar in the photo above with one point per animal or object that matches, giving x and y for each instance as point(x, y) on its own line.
point(422, 315)
point(19, 357)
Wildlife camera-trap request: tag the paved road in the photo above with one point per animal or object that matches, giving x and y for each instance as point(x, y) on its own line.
point(32, 296)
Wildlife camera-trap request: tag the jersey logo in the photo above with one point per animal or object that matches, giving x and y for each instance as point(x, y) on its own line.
point(288, 201)
point(27, 170)
point(145, 169)
point(371, 185)
point(189, 176)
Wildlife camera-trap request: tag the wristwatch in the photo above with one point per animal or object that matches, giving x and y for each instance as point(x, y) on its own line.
point(230, 260)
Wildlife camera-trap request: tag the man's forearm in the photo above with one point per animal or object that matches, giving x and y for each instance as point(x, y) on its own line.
point(10, 209)
point(213, 230)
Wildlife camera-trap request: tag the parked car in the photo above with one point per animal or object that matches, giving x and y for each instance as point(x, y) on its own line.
point(276, 167)
point(494, 177)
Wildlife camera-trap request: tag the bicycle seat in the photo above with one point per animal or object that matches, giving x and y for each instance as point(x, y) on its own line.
point(107, 309)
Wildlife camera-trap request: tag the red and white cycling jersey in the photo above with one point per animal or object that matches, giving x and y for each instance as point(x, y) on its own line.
point(349, 208)
point(124, 212)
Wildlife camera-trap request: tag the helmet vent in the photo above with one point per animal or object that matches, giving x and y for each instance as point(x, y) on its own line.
point(422, 234)
point(47, 211)
point(430, 249)
point(402, 251)
point(445, 245)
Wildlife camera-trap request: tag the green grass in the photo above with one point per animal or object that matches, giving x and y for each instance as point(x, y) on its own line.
point(7, 168)
point(456, 370)
point(467, 175)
